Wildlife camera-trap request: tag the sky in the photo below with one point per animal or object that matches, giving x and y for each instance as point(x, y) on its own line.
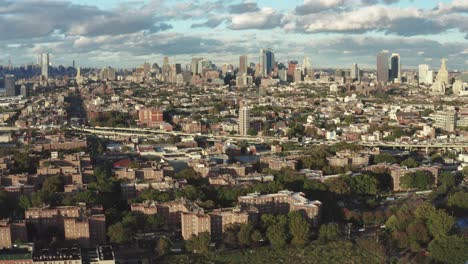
point(332, 33)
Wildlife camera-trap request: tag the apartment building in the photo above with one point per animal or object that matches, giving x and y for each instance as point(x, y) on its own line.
point(283, 202)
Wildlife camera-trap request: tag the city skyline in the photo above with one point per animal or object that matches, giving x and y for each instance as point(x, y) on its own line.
point(332, 33)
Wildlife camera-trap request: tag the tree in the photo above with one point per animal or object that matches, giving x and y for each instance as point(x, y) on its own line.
point(277, 235)
point(163, 247)
point(154, 222)
point(425, 211)
point(24, 202)
point(252, 131)
point(440, 223)
point(339, 186)
point(417, 234)
point(298, 228)
point(118, 233)
point(53, 184)
point(329, 232)
point(421, 180)
point(385, 157)
point(458, 200)
point(245, 235)
point(449, 249)
point(410, 163)
point(256, 236)
point(199, 244)
point(230, 236)
point(447, 180)
point(363, 184)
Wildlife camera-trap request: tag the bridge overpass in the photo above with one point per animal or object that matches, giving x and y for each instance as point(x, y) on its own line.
point(147, 133)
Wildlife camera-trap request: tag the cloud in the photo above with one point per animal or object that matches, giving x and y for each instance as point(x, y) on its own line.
point(265, 18)
point(316, 6)
point(210, 23)
point(35, 19)
point(244, 7)
point(375, 18)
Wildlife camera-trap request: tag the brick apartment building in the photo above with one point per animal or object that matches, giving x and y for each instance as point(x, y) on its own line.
point(85, 224)
point(283, 202)
point(87, 231)
point(215, 222)
point(12, 231)
point(150, 117)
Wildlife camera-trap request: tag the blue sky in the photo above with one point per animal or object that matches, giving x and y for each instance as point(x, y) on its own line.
point(332, 33)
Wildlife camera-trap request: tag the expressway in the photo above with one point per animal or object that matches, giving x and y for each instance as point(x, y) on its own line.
point(148, 132)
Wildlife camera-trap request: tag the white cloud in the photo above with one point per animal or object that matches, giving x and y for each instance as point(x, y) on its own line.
point(265, 18)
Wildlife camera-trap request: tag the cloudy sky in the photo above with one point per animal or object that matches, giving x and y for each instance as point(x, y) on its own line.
point(332, 33)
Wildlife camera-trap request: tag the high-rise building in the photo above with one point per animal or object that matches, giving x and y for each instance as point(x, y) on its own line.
point(354, 73)
point(24, 91)
point(78, 78)
point(292, 68)
point(395, 61)
point(107, 73)
point(429, 77)
point(244, 121)
point(283, 75)
point(194, 65)
point(166, 68)
point(243, 64)
point(445, 120)
point(10, 89)
point(423, 69)
point(382, 66)
point(298, 75)
point(45, 66)
point(267, 61)
point(204, 65)
point(306, 67)
point(442, 74)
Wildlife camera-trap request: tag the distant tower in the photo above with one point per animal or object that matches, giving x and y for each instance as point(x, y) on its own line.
point(244, 121)
point(422, 75)
point(194, 65)
point(73, 64)
point(382, 66)
point(243, 65)
point(306, 67)
point(355, 72)
point(10, 89)
point(78, 78)
point(45, 66)
point(396, 67)
point(166, 68)
point(267, 61)
point(442, 74)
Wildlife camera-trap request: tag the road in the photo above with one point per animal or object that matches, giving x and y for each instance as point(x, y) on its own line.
point(147, 132)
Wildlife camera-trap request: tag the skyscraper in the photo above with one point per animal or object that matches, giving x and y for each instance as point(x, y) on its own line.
point(166, 67)
point(243, 64)
point(422, 75)
point(306, 67)
point(45, 65)
point(267, 61)
point(354, 73)
point(10, 85)
point(194, 65)
point(442, 74)
point(396, 67)
point(78, 78)
point(382, 66)
point(244, 121)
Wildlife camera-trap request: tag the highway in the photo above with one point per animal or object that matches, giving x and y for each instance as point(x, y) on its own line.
point(148, 132)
